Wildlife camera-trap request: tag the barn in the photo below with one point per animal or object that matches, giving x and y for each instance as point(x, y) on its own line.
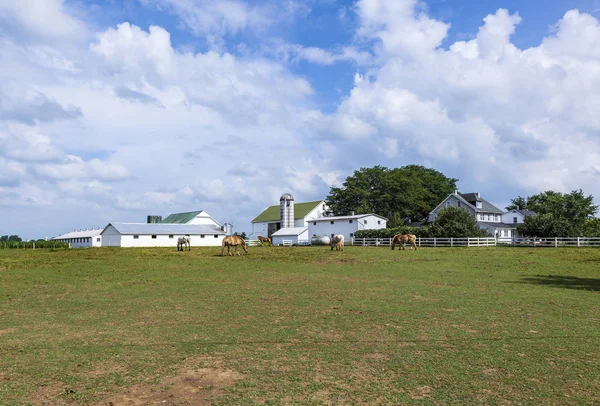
point(287, 214)
point(345, 225)
point(84, 238)
point(160, 235)
point(290, 236)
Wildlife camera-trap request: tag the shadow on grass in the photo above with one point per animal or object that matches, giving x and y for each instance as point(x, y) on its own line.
point(567, 282)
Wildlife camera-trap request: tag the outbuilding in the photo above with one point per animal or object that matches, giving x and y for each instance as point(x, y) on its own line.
point(82, 239)
point(345, 225)
point(290, 236)
point(160, 235)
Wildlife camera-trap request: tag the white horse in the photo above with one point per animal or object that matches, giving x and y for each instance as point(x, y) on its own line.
point(183, 242)
point(337, 241)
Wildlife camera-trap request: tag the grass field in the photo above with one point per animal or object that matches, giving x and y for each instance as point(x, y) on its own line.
point(300, 325)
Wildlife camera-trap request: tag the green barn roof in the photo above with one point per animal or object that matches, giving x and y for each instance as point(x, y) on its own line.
point(181, 218)
point(273, 213)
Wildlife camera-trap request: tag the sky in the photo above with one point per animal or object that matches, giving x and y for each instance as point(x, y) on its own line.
point(113, 110)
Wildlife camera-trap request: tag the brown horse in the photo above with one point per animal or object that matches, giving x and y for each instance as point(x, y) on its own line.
point(264, 240)
point(233, 240)
point(402, 239)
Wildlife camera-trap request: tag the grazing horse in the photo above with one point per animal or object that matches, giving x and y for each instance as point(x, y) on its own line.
point(233, 240)
point(264, 240)
point(337, 242)
point(402, 239)
point(183, 242)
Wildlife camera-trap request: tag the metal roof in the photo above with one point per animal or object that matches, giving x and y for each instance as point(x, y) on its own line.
point(290, 231)
point(273, 213)
point(354, 216)
point(181, 218)
point(159, 228)
point(486, 206)
point(80, 234)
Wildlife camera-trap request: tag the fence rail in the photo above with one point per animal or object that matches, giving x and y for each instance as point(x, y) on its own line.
point(428, 242)
point(557, 242)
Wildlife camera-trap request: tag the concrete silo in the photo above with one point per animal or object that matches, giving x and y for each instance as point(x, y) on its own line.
point(286, 205)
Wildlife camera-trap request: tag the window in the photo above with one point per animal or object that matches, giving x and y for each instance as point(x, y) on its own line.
point(478, 205)
point(332, 235)
point(515, 220)
point(448, 203)
point(216, 236)
point(351, 234)
point(378, 221)
point(350, 221)
point(458, 203)
point(365, 221)
point(98, 239)
point(135, 236)
point(488, 217)
point(314, 223)
point(332, 222)
point(170, 235)
point(501, 233)
point(154, 236)
point(201, 235)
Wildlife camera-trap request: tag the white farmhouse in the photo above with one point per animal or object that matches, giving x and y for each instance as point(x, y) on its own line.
point(287, 215)
point(345, 225)
point(82, 238)
point(488, 217)
point(160, 235)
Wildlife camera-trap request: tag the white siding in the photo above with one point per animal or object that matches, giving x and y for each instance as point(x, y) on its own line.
point(508, 217)
point(344, 226)
point(260, 229)
point(203, 219)
point(112, 238)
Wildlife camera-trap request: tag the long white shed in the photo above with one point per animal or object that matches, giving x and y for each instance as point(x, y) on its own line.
point(160, 235)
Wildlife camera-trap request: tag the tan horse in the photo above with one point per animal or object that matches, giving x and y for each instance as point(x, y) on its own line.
point(235, 241)
point(264, 240)
point(402, 239)
point(183, 242)
point(337, 242)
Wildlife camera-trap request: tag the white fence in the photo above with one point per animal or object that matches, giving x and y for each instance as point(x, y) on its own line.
point(557, 242)
point(427, 242)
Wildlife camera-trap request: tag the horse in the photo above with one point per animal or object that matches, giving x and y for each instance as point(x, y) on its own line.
point(264, 240)
point(402, 239)
point(183, 242)
point(233, 240)
point(337, 242)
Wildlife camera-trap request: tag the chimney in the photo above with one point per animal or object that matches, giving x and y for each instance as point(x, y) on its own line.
point(477, 194)
point(352, 213)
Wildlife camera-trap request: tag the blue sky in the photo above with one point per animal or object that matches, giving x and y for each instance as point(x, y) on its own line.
point(115, 109)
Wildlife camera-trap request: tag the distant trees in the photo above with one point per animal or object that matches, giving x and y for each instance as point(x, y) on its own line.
point(14, 238)
point(409, 192)
point(558, 215)
point(243, 235)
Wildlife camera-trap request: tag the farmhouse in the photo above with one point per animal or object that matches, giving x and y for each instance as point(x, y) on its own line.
point(82, 238)
point(345, 225)
point(288, 215)
point(159, 235)
point(494, 221)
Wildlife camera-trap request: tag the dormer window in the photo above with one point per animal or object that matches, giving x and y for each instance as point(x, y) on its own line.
point(479, 205)
point(515, 220)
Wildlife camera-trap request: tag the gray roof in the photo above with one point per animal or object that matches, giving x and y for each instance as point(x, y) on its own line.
point(289, 231)
point(354, 216)
point(160, 228)
point(527, 212)
point(80, 234)
point(486, 206)
point(497, 225)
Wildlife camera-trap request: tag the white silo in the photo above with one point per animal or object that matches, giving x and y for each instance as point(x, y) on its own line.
point(286, 206)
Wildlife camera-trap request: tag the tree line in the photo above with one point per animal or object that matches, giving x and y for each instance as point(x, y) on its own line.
point(408, 194)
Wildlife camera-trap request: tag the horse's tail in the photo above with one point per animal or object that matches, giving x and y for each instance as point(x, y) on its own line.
point(223, 244)
point(393, 242)
point(243, 244)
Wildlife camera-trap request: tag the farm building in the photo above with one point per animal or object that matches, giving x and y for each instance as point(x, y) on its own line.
point(199, 217)
point(287, 214)
point(494, 221)
point(82, 238)
point(290, 235)
point(345, 225)
point(160, 235)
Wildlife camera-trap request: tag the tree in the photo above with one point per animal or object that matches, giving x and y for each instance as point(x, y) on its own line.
point(15, 238)
point(243, 235)
point(591, 228)
point(569, 212)
point(455, 222)
point(409, 192)
point(4, 238)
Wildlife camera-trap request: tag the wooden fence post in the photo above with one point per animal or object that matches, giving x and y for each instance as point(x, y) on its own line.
point(451, 242)
point(578, 244)
point(434, 243)
point(555, 242)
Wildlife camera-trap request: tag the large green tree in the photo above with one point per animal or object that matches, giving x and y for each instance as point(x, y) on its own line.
point(560, 215)
point(409, 192)
point(455, 222)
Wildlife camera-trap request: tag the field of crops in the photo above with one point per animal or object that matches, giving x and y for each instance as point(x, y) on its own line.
point(300, 325)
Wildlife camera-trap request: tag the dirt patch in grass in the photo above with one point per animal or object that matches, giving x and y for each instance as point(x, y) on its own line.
point(8, 330)
point(191, 385)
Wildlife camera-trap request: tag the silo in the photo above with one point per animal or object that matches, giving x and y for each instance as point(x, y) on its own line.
point(227, 228)
point(154, 219)
point(286, 206)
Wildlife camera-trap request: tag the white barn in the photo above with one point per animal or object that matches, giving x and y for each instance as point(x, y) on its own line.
point(345, 225)
point(292, 235)
point(82, 238)
point(160, 235)
point(287, 214)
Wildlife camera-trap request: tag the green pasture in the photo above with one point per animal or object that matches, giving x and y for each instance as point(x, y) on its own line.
point(300, 325)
